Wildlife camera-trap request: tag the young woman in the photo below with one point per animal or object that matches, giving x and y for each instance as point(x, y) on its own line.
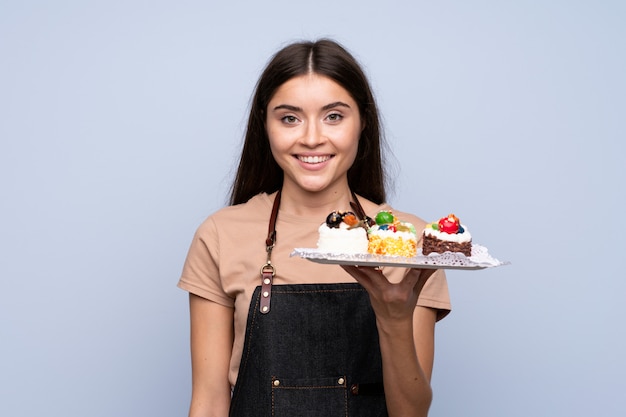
point(274, 335)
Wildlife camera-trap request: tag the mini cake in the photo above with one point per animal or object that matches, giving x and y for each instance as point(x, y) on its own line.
point(389, 236)
point(342, 233)
point(447, 235)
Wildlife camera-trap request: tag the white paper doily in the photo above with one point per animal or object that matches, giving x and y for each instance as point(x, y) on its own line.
point(480, 259)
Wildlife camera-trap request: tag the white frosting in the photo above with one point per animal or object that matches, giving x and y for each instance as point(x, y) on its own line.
point(342, 239)
point(408, 236)
point(456, 237)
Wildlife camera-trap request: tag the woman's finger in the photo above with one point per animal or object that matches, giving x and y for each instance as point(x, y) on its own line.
point(369, 277)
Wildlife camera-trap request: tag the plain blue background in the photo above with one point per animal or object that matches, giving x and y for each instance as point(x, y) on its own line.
point(120, 127)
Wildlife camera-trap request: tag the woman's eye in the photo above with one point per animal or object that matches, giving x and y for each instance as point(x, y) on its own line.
point(290, 119)
point(334, 117)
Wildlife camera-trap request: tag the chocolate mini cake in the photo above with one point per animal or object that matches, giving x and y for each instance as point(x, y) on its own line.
point(447, 235)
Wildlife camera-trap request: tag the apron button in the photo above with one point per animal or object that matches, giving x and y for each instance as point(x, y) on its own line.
point(276, 382)
point(266, 294)
point(341, 381)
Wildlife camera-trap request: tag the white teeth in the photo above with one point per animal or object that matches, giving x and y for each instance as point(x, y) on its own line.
point(314, 159)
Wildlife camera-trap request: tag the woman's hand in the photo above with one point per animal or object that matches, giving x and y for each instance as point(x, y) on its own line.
point(391, 301)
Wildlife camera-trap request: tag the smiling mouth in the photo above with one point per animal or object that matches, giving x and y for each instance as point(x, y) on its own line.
point(314, 159)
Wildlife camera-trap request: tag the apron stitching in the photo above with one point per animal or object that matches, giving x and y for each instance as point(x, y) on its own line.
point(273, 396)
point(345, 397)
point(244, 362)
point(316, 291)
point(343, 387)
point(311, 387)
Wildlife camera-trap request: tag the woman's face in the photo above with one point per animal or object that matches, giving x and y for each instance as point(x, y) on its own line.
point(313, 126)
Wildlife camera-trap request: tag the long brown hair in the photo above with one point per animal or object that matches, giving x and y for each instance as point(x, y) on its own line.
point(258, 171)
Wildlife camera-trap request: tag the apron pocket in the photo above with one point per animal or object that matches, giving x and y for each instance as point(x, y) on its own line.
point(310, 397)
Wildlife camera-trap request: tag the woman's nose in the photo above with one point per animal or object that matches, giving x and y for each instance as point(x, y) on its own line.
point(313, 135)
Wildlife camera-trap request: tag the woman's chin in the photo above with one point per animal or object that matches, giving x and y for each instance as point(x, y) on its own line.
point(317, 186)
point(313, 188)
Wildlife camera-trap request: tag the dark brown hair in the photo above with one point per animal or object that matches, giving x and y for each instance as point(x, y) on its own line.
point(258, 171)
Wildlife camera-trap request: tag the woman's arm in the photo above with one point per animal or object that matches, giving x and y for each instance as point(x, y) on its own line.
point(211, 347)
point(406, 335)
point(407, 363)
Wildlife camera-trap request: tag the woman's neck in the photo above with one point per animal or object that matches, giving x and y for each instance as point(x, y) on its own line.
point(300, 202)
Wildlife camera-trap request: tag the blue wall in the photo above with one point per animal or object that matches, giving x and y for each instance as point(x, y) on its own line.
point(120, 125)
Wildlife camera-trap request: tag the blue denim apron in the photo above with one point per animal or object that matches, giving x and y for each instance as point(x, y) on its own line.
point(315, 353)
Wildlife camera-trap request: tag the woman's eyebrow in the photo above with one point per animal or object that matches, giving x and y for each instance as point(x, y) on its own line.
point(287, 107)
point(335, 104)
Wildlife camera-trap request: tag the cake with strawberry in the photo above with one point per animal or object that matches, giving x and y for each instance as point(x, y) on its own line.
point(342, 233)
point(447, 235)
point(390, 236)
